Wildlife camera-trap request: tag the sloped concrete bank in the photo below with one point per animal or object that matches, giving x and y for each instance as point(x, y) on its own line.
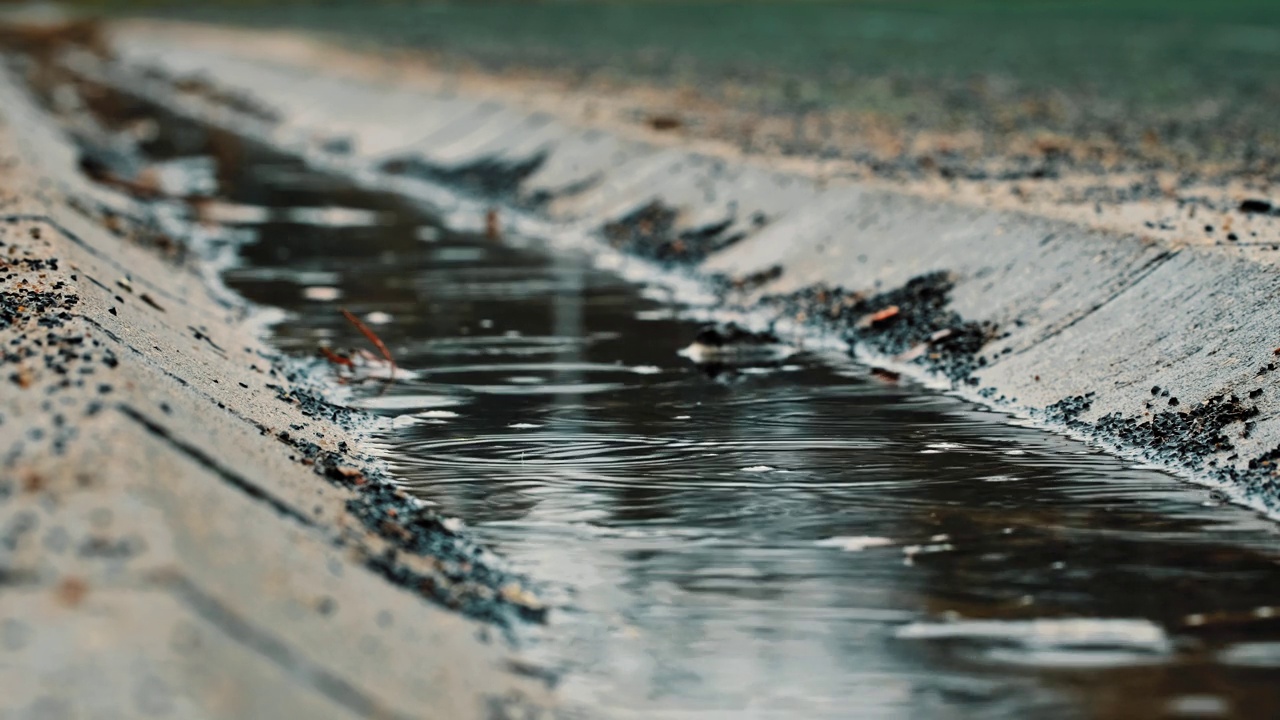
point(1158, 348)
point(187, 528)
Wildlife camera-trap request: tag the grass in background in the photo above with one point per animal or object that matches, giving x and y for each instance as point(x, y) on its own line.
point(1206, 72)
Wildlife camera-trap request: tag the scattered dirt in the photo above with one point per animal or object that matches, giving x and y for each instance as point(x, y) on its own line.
point(49, 347)
point(1200, 437)
point(913, 322)
point(650, 232)
point(1199, 431)
point(489, 178)
point(43, 42)
point(665, 122)
point(46, 349)
point(747, 283)
point(457, 571)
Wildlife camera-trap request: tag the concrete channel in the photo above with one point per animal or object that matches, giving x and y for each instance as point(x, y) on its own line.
point(188, 525)
point(1158, 347)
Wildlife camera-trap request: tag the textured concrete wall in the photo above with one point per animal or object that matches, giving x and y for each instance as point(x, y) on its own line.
point(165, 548)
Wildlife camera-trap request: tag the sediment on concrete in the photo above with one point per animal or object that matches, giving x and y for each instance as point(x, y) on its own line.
point(1155, 348)
point(187, 528)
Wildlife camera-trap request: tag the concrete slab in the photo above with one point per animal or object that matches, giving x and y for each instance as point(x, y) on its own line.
point(186, 528)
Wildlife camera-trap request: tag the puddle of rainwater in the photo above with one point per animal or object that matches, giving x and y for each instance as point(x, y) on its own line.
point(780, 541)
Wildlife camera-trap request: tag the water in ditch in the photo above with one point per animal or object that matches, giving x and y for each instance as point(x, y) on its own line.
point(796, 538)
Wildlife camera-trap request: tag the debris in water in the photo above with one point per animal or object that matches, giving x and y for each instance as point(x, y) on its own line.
point(492, 226)
point(732, 343)
point(335, 358)
point(1198, 706)
point(373, 338)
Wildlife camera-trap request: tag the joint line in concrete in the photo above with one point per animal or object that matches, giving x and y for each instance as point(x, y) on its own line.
point(232, 478)
point(323, 681)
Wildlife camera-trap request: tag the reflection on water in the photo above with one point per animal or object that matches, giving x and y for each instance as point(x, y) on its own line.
point(799, 540)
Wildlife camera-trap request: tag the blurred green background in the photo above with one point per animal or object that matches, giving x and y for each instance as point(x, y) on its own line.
point(1206, 74)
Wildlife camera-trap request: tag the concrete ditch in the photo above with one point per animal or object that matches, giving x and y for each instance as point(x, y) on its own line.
point(189, 528)
point(1155, 343)
point(1156, 348)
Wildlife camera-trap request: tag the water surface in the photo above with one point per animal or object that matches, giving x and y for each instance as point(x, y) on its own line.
point(802, 538)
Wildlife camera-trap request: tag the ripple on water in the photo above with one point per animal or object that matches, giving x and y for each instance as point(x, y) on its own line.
point(407, 402)
point(1251, 654)
point(514, 345)
point(526, 378)
point(1050, 642)
point(460, 283)
point(659, 461)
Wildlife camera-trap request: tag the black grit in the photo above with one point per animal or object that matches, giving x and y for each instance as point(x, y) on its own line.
point(48, 347)
point(462, 575)
point(489, 178)
point(650, 232)
point(1198, 437)
point(914, 322)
